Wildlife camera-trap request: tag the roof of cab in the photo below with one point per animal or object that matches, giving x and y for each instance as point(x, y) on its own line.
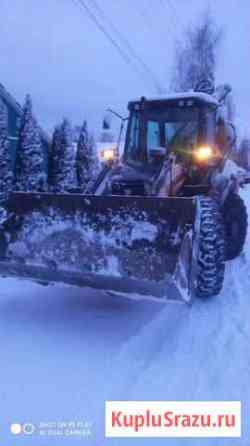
point(199, 96)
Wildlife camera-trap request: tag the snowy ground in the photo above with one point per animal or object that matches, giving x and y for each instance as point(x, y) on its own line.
point(64, 351)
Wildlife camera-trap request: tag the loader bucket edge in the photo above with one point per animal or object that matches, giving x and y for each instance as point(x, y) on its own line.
point(147, 264)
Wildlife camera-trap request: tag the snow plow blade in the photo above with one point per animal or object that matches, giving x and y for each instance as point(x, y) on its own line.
point(124, 244)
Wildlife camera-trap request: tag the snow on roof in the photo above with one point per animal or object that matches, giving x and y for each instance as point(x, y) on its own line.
point(186, 95)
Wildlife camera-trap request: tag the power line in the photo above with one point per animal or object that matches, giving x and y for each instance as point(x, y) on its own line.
point(103, 30)
point(125, 55)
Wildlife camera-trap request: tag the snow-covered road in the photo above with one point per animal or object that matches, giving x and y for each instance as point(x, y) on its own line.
point(64, 351)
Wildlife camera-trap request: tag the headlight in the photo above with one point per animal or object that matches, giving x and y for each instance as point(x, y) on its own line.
point(203, 154)
point(107, 155)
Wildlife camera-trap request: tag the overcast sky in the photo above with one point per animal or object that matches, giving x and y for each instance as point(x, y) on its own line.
point(53, 50)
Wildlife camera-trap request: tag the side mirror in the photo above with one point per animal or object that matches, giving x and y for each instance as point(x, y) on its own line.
point(107, 121)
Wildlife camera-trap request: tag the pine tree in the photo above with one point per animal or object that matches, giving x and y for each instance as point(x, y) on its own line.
point(86, 159)
point(69, 165)
point(30, 174)
point(6, 178)
point(64, 159)
point(54, 160)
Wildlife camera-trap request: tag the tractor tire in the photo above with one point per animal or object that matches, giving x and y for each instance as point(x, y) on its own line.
point(211, 250)
point(235, 221)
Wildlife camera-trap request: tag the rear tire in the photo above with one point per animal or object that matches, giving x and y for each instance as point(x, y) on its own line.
point(211, 250)
point(235, 221)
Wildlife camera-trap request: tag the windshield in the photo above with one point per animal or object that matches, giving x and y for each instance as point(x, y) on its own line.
point(173, 130)
point(176, 130)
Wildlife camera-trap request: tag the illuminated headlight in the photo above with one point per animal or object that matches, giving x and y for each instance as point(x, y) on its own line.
point(107, 155)
point(203, 154)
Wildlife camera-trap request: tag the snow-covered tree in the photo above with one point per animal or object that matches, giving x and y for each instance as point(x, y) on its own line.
point(30, 169)
point(54, 165)
point(195, 59)
point(6, 177)
point(69, 167)
point(86, 159)
point(63, 160)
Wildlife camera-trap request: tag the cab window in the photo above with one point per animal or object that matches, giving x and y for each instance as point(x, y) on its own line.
point(153, 135)
point(132, 145)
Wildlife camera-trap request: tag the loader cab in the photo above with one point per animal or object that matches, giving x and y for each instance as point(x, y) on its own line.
point(175, 124)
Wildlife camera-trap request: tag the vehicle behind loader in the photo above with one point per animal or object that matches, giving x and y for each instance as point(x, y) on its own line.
point(159, 222)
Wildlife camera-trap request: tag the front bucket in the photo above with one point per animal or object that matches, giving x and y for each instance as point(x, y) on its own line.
point(120, 243)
